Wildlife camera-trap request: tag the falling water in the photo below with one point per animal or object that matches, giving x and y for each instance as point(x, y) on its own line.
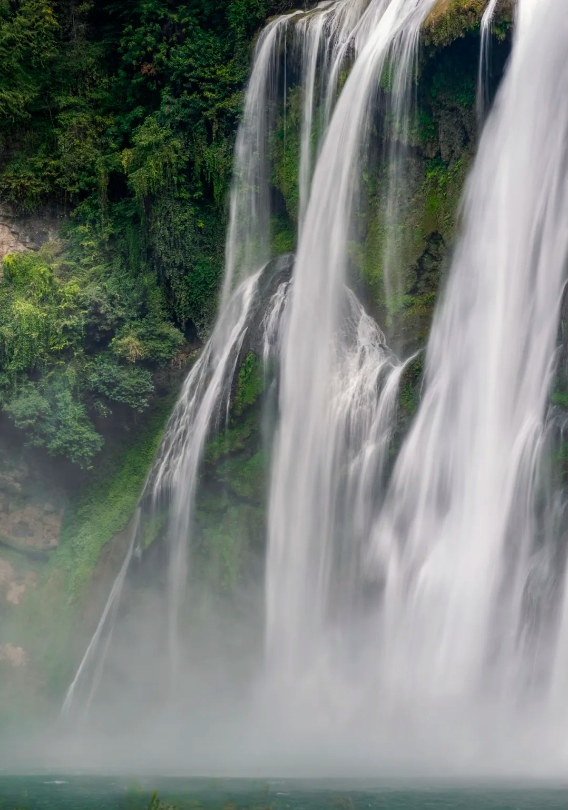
point(199, 410)
point(484, 55)
point(318, 362)
point(205, 397)
point(435, 578)
point(248, 236)
point(324, 37)
point(467, 549)
point(473, 567)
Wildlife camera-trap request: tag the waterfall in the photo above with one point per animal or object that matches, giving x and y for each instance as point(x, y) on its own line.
point(248, 235)
point(415, 581)
point(203, 402)
point(471, 541)
point(466, 550)
point(323, 40)
point(335, 374)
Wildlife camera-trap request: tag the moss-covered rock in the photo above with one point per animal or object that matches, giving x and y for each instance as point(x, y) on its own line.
point(452, 19)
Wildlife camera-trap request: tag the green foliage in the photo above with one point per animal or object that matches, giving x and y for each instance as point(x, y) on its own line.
point(40, 314)
point(131, 110)
point(409, 397)
point(451, 19)
point(53, 417)
point(50, 309)
point(27, 45)
point(125, 113)
point(283, 237)
point(127, 385)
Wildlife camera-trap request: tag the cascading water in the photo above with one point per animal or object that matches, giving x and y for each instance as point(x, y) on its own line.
point(198, 411)
point(323, 39)
point(306, 486)
point(467, 552)
point(407, 596)
point(460, 540)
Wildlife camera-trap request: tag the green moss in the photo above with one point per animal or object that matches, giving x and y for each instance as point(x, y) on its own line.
point(560, 398)
point(250, 384)
point(246, 477)
point(153, 528)
point(234, 439)
point(283, 236)
point(224, 537)
point(416, 244)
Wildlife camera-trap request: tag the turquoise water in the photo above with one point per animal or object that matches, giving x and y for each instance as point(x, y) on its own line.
point(56, 792)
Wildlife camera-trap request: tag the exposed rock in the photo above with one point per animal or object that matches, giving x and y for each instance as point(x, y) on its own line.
point(31, 507)
point(452, 136)
point(9, 241)
point(12, 588)
point(30, 526)
point(16, 656)
point(19, 233)
point(15, 592)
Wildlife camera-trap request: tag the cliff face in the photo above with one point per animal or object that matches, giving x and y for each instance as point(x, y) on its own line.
point(134, 264)
point(19, 232)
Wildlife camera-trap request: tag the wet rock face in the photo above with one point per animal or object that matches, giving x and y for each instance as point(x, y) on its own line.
point(456, 129)
point(13, 584)
point(29, 527)
point(15, 656)
point(31, 505)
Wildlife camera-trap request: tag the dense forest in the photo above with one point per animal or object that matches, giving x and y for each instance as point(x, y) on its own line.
point(118, 119)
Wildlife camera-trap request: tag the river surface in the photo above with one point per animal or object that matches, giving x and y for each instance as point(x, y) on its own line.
point(87, 792)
